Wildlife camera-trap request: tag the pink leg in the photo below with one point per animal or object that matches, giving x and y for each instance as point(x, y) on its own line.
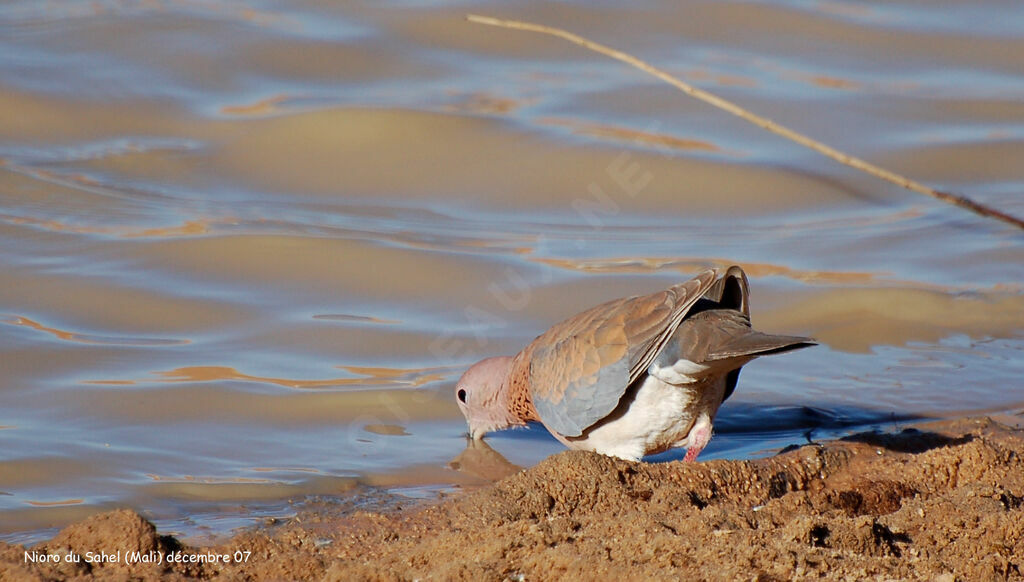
point(700, 436)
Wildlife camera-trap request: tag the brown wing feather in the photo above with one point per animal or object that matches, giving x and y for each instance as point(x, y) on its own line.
point(647, 338)
point(731, 291)
point(576, 372)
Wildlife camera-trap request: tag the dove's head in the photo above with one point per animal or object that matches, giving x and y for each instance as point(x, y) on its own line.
point(483, 397)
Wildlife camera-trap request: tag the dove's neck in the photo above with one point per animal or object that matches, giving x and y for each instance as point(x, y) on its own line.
point(516, 389)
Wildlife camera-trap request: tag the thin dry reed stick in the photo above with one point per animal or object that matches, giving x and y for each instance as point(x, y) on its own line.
point(768, 124)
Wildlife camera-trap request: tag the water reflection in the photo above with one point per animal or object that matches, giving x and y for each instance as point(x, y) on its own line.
point(480, 460)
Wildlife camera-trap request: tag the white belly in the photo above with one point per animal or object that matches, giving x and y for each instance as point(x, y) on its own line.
point(659, 417)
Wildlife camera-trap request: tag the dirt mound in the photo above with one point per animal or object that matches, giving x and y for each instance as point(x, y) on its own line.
point(945, 501)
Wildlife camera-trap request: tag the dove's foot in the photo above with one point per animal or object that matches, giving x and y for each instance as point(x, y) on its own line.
point(698, 438)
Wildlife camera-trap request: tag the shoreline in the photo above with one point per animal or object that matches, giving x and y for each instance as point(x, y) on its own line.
point(943, 500)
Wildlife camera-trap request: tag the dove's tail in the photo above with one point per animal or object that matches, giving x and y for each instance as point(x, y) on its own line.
point(715, 335)
point(731, 343)
point(754, 344)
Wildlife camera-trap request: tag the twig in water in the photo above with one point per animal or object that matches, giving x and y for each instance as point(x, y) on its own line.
point(762, 122)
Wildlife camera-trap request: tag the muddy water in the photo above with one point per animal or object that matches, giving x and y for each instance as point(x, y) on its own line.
point(247, 247)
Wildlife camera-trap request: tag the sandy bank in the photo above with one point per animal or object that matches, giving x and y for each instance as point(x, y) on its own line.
point(944, 501)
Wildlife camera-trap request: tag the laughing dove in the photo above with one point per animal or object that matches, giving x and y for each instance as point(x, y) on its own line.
point(630, 377)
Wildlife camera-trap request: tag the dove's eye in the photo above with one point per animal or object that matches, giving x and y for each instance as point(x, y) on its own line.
point(462, 395)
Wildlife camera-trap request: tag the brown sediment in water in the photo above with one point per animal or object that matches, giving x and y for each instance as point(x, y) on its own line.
point(941, 501)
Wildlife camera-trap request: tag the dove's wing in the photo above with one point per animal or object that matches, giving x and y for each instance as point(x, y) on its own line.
point(580, 368)
point(731, 291)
